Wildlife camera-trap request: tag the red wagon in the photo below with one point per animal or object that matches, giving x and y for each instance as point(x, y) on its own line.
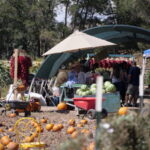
point(88, 104)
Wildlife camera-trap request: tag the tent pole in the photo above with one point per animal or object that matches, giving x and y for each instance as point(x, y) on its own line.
point(15, 73)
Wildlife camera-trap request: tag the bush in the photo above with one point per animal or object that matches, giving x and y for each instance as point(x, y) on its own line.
point(5, 79)
point(128, 132)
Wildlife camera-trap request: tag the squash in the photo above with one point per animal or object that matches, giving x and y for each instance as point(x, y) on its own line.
point(13, 146)
point(5, 140)
point(1, 146)
point(70, 130)
point(62, 106)
point(11, 129)
point(60, 126)
point(29, 139)
point(74, 134)
point(71, 122)
point(43, 120)
point(83, 121)
point(12, 115)
point(123, 111)
point(49, 126)
point(80, 125)
point(1, 130)
point(91, 146)
point(55, 128)
point(39, 129)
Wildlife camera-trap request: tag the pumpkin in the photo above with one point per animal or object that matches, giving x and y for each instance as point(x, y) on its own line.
point(70, 130)
point(123, 111)
point(11, 129)
point(80, 125)
point(1, 130)
point(35, 134)
point(62, 106)
point(55, 128)
point(84, 121)
point(74, 134)
point(12, 115)
point(91, 146)
point(39, 129)
point(49, 126)
point(60, 126)
point(13, 146)
point(71, 122)
point(85, 131)
point(1, 146)
point(29, 139)
point(43, 120)
point(5, 140)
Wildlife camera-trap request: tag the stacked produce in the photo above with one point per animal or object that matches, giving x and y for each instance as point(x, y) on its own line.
point(108, 87)
point(109, 63)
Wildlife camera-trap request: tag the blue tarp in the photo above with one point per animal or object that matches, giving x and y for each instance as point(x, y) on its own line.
point(147, 52)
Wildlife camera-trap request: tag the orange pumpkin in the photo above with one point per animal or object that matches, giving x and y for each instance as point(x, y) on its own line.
point(91, 146)
point(123, 111)
point(43, 120)
point(5, 140)
point(60, 126)
point(29, 139)
point(55, 128)
point(35, 134)
point(1, 146)
point(74, 134)
point(84, 121)
point(62, 106)
point(1, 130)
point(49, 126)
point(39, 129)
point(70, 130)
point(12, 115)
point(13, 146)
point(71, 122)
point(11, 129)
point(80, 125)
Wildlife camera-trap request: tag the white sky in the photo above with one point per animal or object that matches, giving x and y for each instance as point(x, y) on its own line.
point(60, 11)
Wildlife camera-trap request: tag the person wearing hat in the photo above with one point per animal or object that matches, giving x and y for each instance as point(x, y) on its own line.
point(62, 76)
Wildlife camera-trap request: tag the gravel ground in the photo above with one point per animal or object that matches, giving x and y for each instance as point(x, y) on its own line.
point(52, 139)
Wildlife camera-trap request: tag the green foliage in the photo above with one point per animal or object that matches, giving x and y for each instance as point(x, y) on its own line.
point(5, 79)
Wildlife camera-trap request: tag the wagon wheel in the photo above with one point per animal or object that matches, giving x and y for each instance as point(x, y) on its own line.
point(91, 114)
point(104, 113)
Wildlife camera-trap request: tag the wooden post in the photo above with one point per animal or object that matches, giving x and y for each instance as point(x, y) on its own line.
point(15, 72)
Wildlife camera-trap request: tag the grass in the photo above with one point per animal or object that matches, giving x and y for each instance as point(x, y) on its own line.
point(4, 91)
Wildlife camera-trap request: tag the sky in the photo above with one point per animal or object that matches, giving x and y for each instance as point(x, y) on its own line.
point(60, 11)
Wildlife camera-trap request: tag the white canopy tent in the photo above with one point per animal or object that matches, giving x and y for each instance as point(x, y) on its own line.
point(78, 41)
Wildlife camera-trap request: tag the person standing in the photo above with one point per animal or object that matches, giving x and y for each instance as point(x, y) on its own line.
point(133, 85)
